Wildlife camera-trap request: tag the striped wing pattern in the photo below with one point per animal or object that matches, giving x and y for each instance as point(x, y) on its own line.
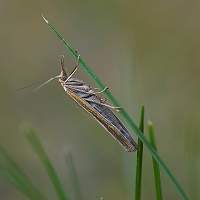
point(92, 103)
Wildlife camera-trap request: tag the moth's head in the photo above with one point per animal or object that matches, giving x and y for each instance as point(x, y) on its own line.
point(63, 74)
point(62, 77)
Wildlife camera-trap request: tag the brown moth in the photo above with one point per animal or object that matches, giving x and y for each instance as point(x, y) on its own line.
point(89, 100)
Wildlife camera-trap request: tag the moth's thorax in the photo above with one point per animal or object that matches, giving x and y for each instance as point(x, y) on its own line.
point(62, 79)
point(62, 82)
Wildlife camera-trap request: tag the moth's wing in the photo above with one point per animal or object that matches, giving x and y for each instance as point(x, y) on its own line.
point(111, 117)
point(83, 91)
point(105, 117)
point(77, 86)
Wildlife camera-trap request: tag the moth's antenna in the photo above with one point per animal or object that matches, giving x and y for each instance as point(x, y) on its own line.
point(46, 82)
point(28, 86)
point(75, 69)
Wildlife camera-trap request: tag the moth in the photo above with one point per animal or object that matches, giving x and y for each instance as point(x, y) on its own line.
point(90, 101)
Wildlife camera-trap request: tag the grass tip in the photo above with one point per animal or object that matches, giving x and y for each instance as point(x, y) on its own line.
point(45, 19)
point(150, 123)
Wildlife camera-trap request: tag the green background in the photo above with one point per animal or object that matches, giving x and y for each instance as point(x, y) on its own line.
point(146, 52)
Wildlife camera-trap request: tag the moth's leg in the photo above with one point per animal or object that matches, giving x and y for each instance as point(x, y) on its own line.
point(75, 69)
point(85, 89)
point(112, 107)
point(101, 91)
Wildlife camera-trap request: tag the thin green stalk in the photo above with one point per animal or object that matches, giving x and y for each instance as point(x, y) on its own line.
point(73, 177)
point(123, 113)
point(39, 150)
point(15, 175)
point(138, 180)
point(156, 168)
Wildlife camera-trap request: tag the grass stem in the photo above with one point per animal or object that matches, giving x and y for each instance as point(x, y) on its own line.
point(123, 113)
point(138, 181)
point(156, 168)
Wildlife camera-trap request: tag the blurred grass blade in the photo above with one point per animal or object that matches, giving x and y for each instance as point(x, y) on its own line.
point(39, 150)
point(155, 165)
point(73, 177)
point(138, 180)
point(122, 112)
point(15, 175)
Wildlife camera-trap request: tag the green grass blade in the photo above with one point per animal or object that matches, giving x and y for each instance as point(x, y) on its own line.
point(123, 113)
point(15, 175)
point(74, 53)
point(156, 168)
point(138, 180)
point(73, 177)
point(39, 150)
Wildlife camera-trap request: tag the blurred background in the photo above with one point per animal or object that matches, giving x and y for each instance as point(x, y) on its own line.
point(146, 52)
